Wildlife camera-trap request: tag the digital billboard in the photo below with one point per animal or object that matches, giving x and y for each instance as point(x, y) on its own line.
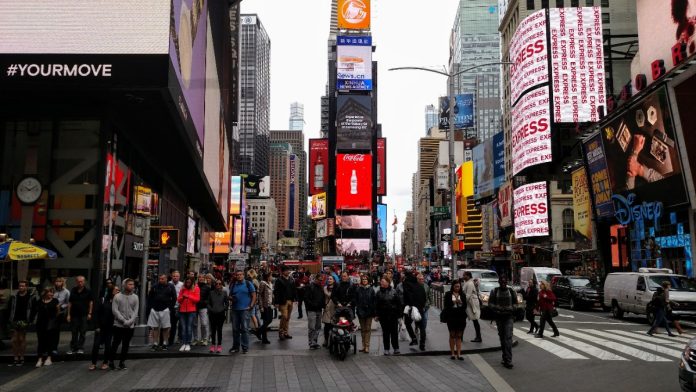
point(382, 166)
point(354, 125)
point(531, 130)
point(143, 200)
point(257, 187)
point(318, 206)
point(354, 222)
point(353, 14)
point(318, 165)
point(352, 246)
point(529, 53)
point(599, 176)
point(354, 63)
point(483, 169)
point(221, 242)
point(382, 222)
point(354, 181)
point(505, 204)
point(531, 214)
point(321, 229)
point(235, 195)
point(238, 231)
point(498, 159)
point(582, 208)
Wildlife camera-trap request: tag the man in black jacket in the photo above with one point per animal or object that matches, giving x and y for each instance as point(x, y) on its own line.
point(161, 300)
point(284, 295)
point(414, 296)
point(344, 293)
point(315, 301)
point(531, 299)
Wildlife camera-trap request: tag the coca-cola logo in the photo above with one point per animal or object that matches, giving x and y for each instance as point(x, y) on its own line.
point(354, 158)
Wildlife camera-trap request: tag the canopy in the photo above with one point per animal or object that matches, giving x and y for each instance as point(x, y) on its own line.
point(17, 250)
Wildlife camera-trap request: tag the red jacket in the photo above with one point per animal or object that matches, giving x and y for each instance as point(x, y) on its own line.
point(547, 300)
point(188, 298)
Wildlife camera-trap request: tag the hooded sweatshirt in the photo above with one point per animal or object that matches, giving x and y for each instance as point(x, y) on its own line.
point(125, 308)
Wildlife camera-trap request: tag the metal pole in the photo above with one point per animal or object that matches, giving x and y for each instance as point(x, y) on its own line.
point(453, 174)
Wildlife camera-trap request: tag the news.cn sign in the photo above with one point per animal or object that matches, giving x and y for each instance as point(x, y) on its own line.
point(577, 64)
point(354, 182)
point(531, 130)
point(531, 210)
point(529, 53)
point(354, 63)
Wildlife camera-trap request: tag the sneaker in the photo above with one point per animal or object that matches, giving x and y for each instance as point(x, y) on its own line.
point(80, 351)
point(245, 351)
point(218, 349)
point(397, 352)
point(234, 351)
point(48, 362)
point(154, 347)
point(204, 342)
point(183, 348)
point(164, 347)
point(414, 342)
point(386, 352)
point(212, 349)
point(122, 366)
point(39, 363)
point(20, 362)
point(288, 337)
point(70, 352)
point(187, 347)
point(508, 365)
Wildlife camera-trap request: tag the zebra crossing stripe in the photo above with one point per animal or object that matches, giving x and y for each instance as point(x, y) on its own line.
point(628, 350)
point(667, 337)
point(649, 339)
point(648, 346)
point(589, 349)
point(555, 349)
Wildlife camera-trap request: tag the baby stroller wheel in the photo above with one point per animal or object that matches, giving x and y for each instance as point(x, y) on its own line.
point(342, 352)
point(355, 345)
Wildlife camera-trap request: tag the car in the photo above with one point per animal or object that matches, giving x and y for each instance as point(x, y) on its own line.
point(578, 292)
point(687, 367)
point(478, 273)
point(485, 288)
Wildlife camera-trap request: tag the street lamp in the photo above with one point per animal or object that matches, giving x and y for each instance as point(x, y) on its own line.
point(452, 169)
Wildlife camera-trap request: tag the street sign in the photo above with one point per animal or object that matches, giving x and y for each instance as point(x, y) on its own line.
point(460, 237)
point(446, 237)
point(440, 210)
point(238, 256)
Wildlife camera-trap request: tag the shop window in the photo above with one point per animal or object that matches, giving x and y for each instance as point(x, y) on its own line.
point(568, 225)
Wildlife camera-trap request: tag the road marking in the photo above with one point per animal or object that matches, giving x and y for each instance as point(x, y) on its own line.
point(649, 346)
point(490, 374)
point(588, 322)
point(628, 350)
point(566, 315)
point(554, 349)
point(650, 339)
point(589, 349)
point(672, 338)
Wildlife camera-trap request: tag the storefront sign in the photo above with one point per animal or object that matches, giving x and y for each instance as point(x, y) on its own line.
point(628, 212)
point(529, 53)
point(531, 210)
point(531, 130)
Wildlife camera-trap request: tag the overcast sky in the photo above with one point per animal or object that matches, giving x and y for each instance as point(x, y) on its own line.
point(406, 33)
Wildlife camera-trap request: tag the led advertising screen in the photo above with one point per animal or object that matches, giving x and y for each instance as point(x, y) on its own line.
point(382, 167)
point(322, 229)
point(498, 159)
point(529, 53)
point(238, 229)
point(577, 63)
point(483, 169)
point(257, 187)
point(354, 222)
point(318, 165)
point(221, 243)
point(352, 246)
point(531, 130)
point(191, 236)
point(582, 208)
point(382, 222)
point(354, 125)
point(354, 182)
point(318, 206)
point(235, 195)
point(505, 204)
point(531, 213)
point(599, 176)
point(354, 63)
point(353, 14)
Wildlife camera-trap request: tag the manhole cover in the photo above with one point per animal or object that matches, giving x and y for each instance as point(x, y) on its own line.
point(190, 389)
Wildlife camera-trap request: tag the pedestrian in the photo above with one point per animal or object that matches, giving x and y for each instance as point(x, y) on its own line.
point(365, 310)
point(301, 283)
point(266, 304)
point(329, 309)
point(252, 276)
point(201, 324)
point(502, 301)
point(104, 329)
point(531, 300)
point(546, 306)
point(455, 316)
point(189, 296)
point(315, 302)
point(44, 311)
point(80, 307)
point(125, 309)
point(174, 313)
point(107, 289)
point(217, 304)
point(161, 300)
point(388, 307)
point(343, 294)
point(62, 295)
point(243, 295)
point(284, 295)
point(659, 303)
point(415, 296)
point(20, 308)
point(473, 304)
point(428, 301)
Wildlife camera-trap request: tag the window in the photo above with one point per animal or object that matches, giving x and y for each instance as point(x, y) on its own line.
point(544, 3)
point(530, 4)
point(575, 3)
point(560, 4)
point(568, 225)
point(605, 3)
point(606, 18)
point(589, 3)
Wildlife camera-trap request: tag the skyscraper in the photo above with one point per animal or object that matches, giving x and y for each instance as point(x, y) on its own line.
point(255, 103)
point(296, 141)
point(296, 116)
point(431, 118)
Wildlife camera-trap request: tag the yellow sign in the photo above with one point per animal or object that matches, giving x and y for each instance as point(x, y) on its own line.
point(583, 209)
point(353, 14)
point(319, 206)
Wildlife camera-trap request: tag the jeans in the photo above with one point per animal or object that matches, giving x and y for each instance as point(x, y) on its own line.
point(313, 326)
point(104, 336)
point(504, 324)
point(201, 320)
point(546, 317)
point(216, 321)
point(121, 335)
point(267, 319)
point(240, 329)
point(186, 323)
point(285, 312)
point(78, 327)
point(390, 332)
point(660, 321)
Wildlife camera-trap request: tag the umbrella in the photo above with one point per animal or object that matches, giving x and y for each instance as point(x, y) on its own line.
point(17, 250)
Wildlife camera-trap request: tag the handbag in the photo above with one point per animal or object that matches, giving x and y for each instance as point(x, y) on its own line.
point(554, 313)
point(415, 314)
point(444, 315)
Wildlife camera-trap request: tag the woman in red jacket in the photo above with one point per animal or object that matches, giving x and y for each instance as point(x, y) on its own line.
point(189, 296)
point(546, 304)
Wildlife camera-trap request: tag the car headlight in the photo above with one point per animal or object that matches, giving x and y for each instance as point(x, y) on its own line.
point(520, 298)
point(687, 352)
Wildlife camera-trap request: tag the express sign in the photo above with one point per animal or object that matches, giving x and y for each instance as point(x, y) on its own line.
point(531, 210)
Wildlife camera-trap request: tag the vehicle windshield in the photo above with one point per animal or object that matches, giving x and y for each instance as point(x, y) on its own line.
point(678, 283)
point(546, 277)
point(487, 286)
point(489, 275)
point(581, 282)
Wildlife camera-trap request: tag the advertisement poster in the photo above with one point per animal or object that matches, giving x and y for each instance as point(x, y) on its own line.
point(582, 208)
point(354, 222)
point(221, 243)
point(238, 229)
point(235, 195)
point(353, 14)
point(354, 63)
point(531, 130)
point(382, 222)
point(191, 236)
point(599, 176)
point(529, 53)
point(354, 182)
point(382, 167)
point(318, 206)
point(463, 111)
point(318, 165)
point(483, 169)
point(505, 204)
point(498, 159)
point(257, 187)
point(354, 124)
point(321, 230)
point(642, 153)
point(143, 200)
point(443, 119)
point(577, 64)
point(293, 190)
point(531, 210)
point(442, 178)
point(352, 246)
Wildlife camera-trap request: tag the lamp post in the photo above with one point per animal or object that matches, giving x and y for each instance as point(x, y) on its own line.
point(452, 168)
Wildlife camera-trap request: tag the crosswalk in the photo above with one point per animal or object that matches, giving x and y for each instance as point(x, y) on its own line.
point(608, 345)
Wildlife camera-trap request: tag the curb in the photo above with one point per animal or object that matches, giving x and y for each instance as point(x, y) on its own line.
point(464, 352)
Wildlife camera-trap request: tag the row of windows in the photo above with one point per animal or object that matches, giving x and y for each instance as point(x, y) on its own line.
point(562, 3)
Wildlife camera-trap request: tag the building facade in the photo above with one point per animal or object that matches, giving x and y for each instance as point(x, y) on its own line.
point(431, 118)
point(296, 122)
point(296, 140)
point(263, 218)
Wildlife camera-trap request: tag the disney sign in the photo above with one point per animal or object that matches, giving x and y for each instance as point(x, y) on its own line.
point(627, 211)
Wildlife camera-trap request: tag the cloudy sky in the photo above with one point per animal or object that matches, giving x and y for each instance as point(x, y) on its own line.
point(406, 33)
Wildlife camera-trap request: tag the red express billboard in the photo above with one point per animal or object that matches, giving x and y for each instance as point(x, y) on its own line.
point(529, 53)
point(354, 182)
point(382, 167)
point(531, 130)
point(318, 165)
point(531, 210)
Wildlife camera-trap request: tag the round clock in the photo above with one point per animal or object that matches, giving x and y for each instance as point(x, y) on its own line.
point(29, 190)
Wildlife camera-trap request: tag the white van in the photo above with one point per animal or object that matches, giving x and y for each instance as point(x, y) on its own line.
point(537, 274)
point(632, 292)
point(481, 274)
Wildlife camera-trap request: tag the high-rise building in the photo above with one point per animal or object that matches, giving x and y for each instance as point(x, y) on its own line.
point(263, 218)
point(296, 117)
point(431, 118)
point(279, 165)
point(296, 140)
point(255, 103)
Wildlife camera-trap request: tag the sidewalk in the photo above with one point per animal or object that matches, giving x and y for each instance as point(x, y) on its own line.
point(437, 343)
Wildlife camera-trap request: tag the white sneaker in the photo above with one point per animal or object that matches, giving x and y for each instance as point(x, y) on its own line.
point(183, 348)
point(187, 348)
point(48, 362)
point(39, 363)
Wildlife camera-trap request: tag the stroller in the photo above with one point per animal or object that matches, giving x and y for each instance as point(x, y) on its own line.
point(342, 335)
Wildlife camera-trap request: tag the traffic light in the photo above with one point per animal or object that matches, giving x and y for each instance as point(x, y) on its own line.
point(169, 238)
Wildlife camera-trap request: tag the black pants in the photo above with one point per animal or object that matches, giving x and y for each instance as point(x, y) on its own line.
point(477, 328)
point(546, 318)
point(411, 333)
point(327, 331)
point(45, 339)
point(78, 327)
point(216, 321)
point(266, 320)
point(300, 299)
point(529, 315)
point(104, 337)
point(390, 332)
point(121, 335)
point(174, 320)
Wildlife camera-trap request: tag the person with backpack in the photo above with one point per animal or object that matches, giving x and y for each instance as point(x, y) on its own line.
point(502, 303)
point(659, 303)
point(243, 295)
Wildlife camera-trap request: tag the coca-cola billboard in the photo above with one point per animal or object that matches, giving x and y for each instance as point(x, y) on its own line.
point(354, 182)
point(382, 167)
point(318, 165)
point(354, 125)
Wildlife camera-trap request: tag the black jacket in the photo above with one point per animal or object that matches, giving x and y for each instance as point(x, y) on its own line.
point(414, 293)
point(388, 303)
point(205, 293)
point(365, 302)
point(105, 314)
point(284, 290)
point(314, 298)
point(162, 296)
point(343, 293)
point(531, 297)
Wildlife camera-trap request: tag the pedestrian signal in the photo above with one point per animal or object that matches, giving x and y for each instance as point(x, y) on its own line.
point(169, 238)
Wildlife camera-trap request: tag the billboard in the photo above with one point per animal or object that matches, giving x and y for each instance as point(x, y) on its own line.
point(238, 231)
point(442, 178)
point(143, 200)
point(505, 204)
point(354, 181)
point(354, 63)
point(483, 169)
point(531, 130)
point(352, 246)
point(463, 111)
point(318, 206)
point(577, 63)
point(257, 187)
point(599, 176)
point(221, 242)
point(531, 214)
point(318, 165)
point(321, 230)
point(235, 195)
point(292, 208)
point(354, 222)
point(382, 222)
point(354, 125)
point(191, 236)
point(353, 14)
point(382, 166)
point(529, 53)
point(582, 208)
point(498, 159)
point(443, 119)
